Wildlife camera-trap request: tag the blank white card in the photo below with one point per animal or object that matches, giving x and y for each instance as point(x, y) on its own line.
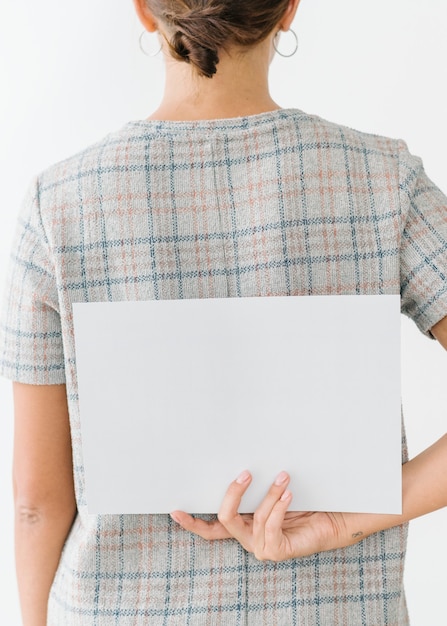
point(177, 397)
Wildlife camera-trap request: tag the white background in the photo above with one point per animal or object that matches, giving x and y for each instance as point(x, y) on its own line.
point(72, 71)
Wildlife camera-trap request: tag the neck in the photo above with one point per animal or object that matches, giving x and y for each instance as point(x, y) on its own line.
point(239, 88)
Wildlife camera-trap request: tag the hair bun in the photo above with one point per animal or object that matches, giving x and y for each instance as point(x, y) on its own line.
point(198, 30)
point(187, 49)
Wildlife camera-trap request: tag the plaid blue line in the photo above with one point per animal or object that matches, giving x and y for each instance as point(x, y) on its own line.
point(431, 230)
point(384, 576)
point(427, 261)
point(281, 208)
point(251, 608)
point(294, 596)
point(310, 222)
point(168, 576)
point(374, 220)
point(192, 554)
point(55, 334)
point(175, 226)
point(245, 269)
point(102, 220)
point(187, 166)
point(97, 573)
point(241, 587)
point(421, 311)
point(362, 586)
point(353, 558)
point(23, 368)
point(31, 266)
point(305, 209)
point(351, 212)
point(121, 570)
point(150, 218)
point(317, 591)
point(228, 163)
point(81, 225)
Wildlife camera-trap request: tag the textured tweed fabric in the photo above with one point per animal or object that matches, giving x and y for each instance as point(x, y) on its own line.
point(276, 204)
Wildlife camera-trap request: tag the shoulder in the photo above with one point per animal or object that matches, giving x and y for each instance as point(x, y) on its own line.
point(360, 151)
point(342, 137)
point(88, 161)
point(68, 189)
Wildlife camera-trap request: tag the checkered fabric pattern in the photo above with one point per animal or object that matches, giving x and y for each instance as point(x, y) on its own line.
point(276, 204)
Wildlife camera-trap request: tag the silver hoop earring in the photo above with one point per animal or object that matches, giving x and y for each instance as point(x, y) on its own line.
point(149, 51)
point(295, 44)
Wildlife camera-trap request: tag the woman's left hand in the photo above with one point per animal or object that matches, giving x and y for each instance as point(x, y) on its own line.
point(272, 533)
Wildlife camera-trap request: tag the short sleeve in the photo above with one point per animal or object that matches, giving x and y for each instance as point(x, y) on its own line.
point(423, 249)
point(31, 349)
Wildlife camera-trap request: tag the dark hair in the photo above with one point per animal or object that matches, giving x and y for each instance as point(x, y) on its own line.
point(201, 28)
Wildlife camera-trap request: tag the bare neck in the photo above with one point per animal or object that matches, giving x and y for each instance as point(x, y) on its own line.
point(240, 87)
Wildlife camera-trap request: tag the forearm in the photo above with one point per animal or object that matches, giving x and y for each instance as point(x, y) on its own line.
point(44, 497)
point(424, 490)
point(424, 480)
point(39, 538)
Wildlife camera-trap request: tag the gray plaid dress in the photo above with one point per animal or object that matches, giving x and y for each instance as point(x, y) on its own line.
point(275, 204)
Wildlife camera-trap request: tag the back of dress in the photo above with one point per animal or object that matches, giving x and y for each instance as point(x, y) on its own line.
point(275, 204)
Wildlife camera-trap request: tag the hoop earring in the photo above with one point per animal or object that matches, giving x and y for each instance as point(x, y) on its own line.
point(295, 37)
point(146, 50)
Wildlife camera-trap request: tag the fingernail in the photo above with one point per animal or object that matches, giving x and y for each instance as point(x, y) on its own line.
point(286, 495)
point(243, 477)
point(281, 478)
point(175, 517)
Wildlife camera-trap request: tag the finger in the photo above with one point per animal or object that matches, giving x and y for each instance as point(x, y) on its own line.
point(207, 530)
point(275, 547)
point(265, 509)
point(228, 514)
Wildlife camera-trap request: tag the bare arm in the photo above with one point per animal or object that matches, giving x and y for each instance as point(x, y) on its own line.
point(43, 492)
point(275, 534)
point(424, 478)
point(439, 331)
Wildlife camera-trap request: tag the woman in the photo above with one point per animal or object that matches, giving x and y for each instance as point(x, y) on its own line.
point(182, 205)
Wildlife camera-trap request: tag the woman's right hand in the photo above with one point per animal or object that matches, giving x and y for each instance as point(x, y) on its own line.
point(272, 532)
point(276, 534)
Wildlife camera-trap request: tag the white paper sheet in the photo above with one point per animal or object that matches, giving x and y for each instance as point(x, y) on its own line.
point(179, 396)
